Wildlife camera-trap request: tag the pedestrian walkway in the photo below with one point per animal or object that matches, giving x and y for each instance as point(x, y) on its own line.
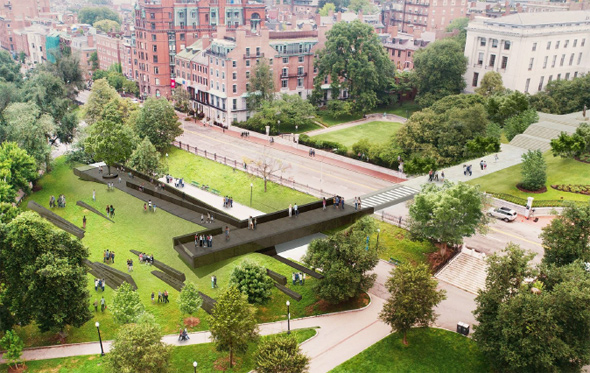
point(388, 197)
point(238, 211)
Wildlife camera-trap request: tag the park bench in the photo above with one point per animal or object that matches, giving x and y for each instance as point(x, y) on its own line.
point(215, 191)
point(208, 303)
point(394, 261)
point(293, 294)
point(276, 277)
point(175, 283)
point(196, 184)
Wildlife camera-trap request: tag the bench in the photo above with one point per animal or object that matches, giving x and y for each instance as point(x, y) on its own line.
point(208, 303)
point(394, 261)
point(276, 277)
point(293, 294)
point(215, 191)
point(176, 284)
point(196, 184)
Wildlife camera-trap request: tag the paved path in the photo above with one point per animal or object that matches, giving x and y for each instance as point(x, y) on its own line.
point(238, 210)
point(380, 118)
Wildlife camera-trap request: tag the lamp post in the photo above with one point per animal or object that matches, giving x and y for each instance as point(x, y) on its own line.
point(99, 338)
point(279, 126)
point(195, 366)
point(288, 318)
point(378, 231)
point(251, 186)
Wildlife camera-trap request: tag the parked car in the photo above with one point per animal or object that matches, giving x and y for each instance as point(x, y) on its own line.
point(503, 213)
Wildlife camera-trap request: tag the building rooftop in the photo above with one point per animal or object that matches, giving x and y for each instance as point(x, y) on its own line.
point(541, 19)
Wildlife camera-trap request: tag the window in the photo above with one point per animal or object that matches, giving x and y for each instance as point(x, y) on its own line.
point(504, 62)
point(575, 43)
point(545, 62)
point(567, 76)
point(154, 48)
point(270, 62)
point(234, 89)
point(566, 43)
point(576, 74)
point(572, 58)
point(531, 63)
point(506, 44)
point(247, 63)
point(554, 60)
point(300, 59)
point(153, 37)
point(153, 26)
point(222, 75)
point(234, 63)
point(234, 104)
point(583, 42)
point(475, 79)
point(300, 70)
point(285, 71)
point(541, 84)
point(234, 75)
point(526, 86)
point(157, 93)
point(156, 70)
point(534, 47)
point(558, 76)
point(283, 83)
point(548, 45)
point(480, 59)
point(482, 41)
point(155, 59)
point(217, 73)
point(299, 82)
point(247, 74)
point(222, 87)
point(153, 15)
point(557, 44)
point(580, 58)
point(550, 79)
point(494, 43)
point(157, 81)
point(399, 52)
point(562, 60)
point(492, 60)
point(257, 51)
point(285, 59)
point(247, 52)
point(222, 63)
point(247, 86)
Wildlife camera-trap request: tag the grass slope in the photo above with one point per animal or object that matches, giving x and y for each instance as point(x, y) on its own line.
point(376, 132)
point(234, 183)
point(395, 243)
point(181, 360)
point(151, 233)
point(559, 171)
point(429, 350)
point(404, 110)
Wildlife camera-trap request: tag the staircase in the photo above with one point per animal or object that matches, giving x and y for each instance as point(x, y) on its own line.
point(531, 142)
point(465, 271)
point(550, 126)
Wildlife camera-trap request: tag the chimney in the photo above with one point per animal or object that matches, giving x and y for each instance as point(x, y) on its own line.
point(339, 17)
point(410, 30)
point(417, 34)
point(90, 39)
point(394, 31)
point(221, 29)
point(206, 41)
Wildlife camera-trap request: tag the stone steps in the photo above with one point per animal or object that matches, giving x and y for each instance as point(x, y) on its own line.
point(545, 132)
point(467, 272)
point(531, 142)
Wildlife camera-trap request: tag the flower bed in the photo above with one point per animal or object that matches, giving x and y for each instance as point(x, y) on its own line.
point(537, 203)
point(573, 188)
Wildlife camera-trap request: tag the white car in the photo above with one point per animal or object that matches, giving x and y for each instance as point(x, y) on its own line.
point(503, 213)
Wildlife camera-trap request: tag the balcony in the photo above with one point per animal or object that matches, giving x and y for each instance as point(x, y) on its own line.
point(294, 75)
point(259, 55)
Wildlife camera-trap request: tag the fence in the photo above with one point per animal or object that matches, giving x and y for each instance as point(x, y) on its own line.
point(393, 219)
point(253, 170)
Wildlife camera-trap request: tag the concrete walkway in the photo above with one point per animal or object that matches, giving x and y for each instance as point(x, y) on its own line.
point(238, 211)
point(389, 118)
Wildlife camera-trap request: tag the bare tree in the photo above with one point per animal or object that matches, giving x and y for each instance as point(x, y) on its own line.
point(268, 166)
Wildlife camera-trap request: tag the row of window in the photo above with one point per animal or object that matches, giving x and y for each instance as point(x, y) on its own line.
point(475, 80)
point(554, 61)
point(565, 44)
point(494, 43)
point(492, 61)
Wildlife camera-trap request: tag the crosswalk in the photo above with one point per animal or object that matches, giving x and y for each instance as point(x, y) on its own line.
point(388, 197)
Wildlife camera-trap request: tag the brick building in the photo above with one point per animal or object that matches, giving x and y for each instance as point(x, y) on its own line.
point(108, 50)
point(163, 28)
point(401, 46)
point(425, 15)
point(19, 9)
point(216, 71)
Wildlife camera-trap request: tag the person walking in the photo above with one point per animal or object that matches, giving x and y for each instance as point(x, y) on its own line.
point(103, 304)
point(302, 278)
point(342, 203)
point(293, 277)
point(356, 204)
point(324, 203)
point(290, 210)
point(95, 305)
point(153, 296)
point(202, 218)
point(249, 222)
point(226, 233)
point(359, 201)
point(255, 223)
point(95, 284)
point(93, 195)
point(113, 257)
point(212, 282)
point(296, 209)
point(84, 222)
point(442, 176)
point(159, 296)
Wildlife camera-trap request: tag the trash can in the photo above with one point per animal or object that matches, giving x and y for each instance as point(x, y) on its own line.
point(463, 328)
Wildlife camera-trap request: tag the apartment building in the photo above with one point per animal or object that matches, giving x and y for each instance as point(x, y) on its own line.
point(401, 46)
point(529, 50)
point(425, 15)
point(163, 28)
point(216, 71)
point(108, 50)
point(20, 9)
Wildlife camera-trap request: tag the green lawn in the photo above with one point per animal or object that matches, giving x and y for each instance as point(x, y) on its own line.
point(288, 128)
point(559, 171)
point(395, 242)
point(376, 132)
point(429, 350)
point(404, 110)
point(234, 183)
point(151, 233)
point(181, 360)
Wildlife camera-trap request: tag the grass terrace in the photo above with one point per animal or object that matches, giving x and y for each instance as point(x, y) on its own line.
point(376, 132)
point(405, 110)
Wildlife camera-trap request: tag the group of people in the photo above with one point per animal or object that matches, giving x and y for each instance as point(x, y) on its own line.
point(202, 240)
point(245, 134)
point(228, 201)
point(149, 206)
point(162, 297)
point(338, 202)
point(110, 211)
point(61, 201)
point(129, 265)
point(357, 203)
point(183, 336)
point(252, 223)
point(298, 277)
point(111, 186)
point(467, 170)
point(108, 257)
point(147, 259)
point(99, 283)
point(483, 164)
point(103, 305)
point(210, 218)
point(293, 210)
point(311, 152)
point(433, 176)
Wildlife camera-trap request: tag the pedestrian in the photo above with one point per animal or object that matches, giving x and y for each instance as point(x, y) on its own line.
point(84, 222)
point(296, 278)
point(249, 222)
point(335, 202)
point(196, 239)
point(296, 209)
point(112, 211)
point(149, 204)
point(104, 256)
point(119, 179)
point(95, 305)
point(464, 170)
point(103, 284)
point(154, 207)
point(159, 296)
point(481, 164)
point(255, 223)
point(435, 175)
point(208, 217)
point(212, 282)
point(290, 210)
point(324, 203)
point(103, 304)
point(108, 211)
point(226, 233)
point(300, 278)
point(430, 176)
point(95, 284)
point(145, 207)
point(342, 203)
point(153, 296)
point(93, 195)
point(293, 277)
point(356, 204)
point(442, 176)
point(113, 257)
point(166, 296)
point(202, 218)
point(485, 165)
point(359, 201)
point(495, 157)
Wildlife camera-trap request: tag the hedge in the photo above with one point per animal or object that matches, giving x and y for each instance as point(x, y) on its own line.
point(536, 203)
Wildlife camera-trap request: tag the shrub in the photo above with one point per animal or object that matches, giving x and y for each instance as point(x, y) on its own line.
point(419, 165)
point(519, 123)
point(534, 170)
point(252, 281)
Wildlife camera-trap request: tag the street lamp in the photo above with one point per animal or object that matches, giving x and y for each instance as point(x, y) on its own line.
point(279, 126)
point(99, 338)
point(195, 366)
point(251, 186)
point(288, 318)
point(378, 231)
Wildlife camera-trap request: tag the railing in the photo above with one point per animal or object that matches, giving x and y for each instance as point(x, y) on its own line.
point(393, 219)
point(253, 170)
point(259, 55)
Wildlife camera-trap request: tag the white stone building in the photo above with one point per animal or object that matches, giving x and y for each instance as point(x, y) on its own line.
point(528, 49)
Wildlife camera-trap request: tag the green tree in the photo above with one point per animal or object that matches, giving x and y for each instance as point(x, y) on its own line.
point(44, 274)
point(190, 300)
point(9, 69)
point(344, 261)
point(91, 15)
point(232, 322)
point(491, 84)
point(8, 211)
point(30, 129)
point(326, 9)
point(533, 170)
point(261, 86)
point(567, 238)
point(290, 110)
point(519, 123)
point(574, 145)
point(9, 93)
point(439, 70)
point(503, 106)
point(461, 25)
point(95, 63)
point(251, 279)
point(138, 348)
point(158, 121)
point(127, 306)
point(146, 159)
point(356, 62)
point(110, 142)
point(413, 298)
point(17, 170)
point(447, 213)
point(543, 102)
point(13, 346)
point(100, 95)
point(181, 99)
point(67, 67)
point(280, 353)
point(361, 5)
point(570, 95)
point(107, 25)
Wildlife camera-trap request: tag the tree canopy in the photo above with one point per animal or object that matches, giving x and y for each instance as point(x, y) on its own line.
point(344, 261)
point(261, 86)
point(17, 169)
point(91, 15)
point(574, 145)
point(491, 84)
point(190, 301)
point(146, 159)
point(439, 70)
point(564, 96)
point(290, 110)
point(158, 121)
point(9, 69)
point(567, 238)
point(533, 170)
point(356, 62)
point(251, 279)
point(107, 25)
point(100, 95)
point(127, 306)
point(110, 142)
point(280, 353)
